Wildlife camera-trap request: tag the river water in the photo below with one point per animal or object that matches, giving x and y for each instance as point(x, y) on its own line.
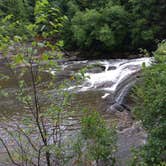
point(105, 89)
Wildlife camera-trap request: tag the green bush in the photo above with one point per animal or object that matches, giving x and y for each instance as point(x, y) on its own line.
point(151, 93)
point(97, 142)
point(107, 27)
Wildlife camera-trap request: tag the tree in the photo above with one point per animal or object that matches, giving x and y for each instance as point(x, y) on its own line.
point(37, 138)
point(104, 29)
point(122, 24)
point(48, 18)
point(18, 8)
point(147, 22)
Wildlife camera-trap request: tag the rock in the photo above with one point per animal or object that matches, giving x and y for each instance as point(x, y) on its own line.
point(137, 127)
point(104, 84)
point(74, 67)
point(95, 70)
point(112, 68)
point(117, 107)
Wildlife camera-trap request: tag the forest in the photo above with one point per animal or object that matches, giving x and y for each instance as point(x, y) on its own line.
point(83, 82)
point(106, 25)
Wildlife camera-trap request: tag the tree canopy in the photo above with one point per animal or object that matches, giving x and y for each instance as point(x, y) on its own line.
point(99, 25)
point(113, 25)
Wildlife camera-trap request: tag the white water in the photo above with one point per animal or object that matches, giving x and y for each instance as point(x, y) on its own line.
point(124, 69)
point(115, 77)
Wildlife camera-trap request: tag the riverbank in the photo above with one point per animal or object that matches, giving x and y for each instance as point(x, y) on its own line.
point(92, 55)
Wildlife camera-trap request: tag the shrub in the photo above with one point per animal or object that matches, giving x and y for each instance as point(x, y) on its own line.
point(151, 93)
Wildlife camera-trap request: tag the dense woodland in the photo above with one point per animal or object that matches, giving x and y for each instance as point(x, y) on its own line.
point(107, 27)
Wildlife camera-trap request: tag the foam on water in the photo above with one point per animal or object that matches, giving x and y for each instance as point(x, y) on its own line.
point(105, 95)
point(124, 69)
point(114, 73)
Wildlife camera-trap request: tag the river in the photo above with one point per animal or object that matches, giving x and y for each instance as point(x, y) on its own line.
point(105, 89)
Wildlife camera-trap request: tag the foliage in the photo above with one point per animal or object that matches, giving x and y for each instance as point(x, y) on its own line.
point(91, 27)
point(43, 17)
point(103, 25)
point(34, 142)
point(145, 26)
point(48, 18)
point(151, 95)
point(112, 25)
point(97, 142)
point(105, 28)
point(20, 9)
point(37, 137)
point(11, 27)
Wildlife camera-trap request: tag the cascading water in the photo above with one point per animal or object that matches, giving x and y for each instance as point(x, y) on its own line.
point(113, 77)
point(117, 78)
point(107, 80)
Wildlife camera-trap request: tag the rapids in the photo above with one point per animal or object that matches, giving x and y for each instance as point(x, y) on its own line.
point(113, 77)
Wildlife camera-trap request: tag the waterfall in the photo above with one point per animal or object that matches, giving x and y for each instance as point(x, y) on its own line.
point(117, 78)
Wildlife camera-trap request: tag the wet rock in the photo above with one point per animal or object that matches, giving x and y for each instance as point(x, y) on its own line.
point(104, 84)
point(74, 67)
point(125, 120)
point(133, 67)
point(127, 141)
point(109, 101)
point(112, 68)
point(117, 107)
point(96, 68)
point(136, 128)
